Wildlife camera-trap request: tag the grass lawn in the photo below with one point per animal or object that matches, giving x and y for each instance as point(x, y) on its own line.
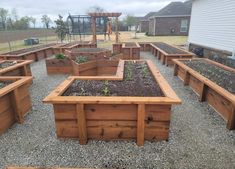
point(123, 37)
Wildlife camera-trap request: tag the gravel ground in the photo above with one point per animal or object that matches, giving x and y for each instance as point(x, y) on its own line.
point(198, 137)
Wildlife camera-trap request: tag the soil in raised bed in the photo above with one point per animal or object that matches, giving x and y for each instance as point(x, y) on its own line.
point(168, 49)
point(221, 77)
point(4, 84)
point(138, 81)
point(6, 64)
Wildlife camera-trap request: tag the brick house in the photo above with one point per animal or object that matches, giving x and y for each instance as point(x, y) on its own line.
point(143, 23)
point(174, 19)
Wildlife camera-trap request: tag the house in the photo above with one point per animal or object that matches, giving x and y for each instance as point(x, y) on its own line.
point(174, 19)
point(212, 28)
point(143, 23)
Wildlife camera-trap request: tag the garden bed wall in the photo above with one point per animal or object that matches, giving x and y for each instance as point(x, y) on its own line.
point(15, 101)
point(110, 117)
point(166, 53)
point(220, 99)
point(21, 68)
point(34, 53)
point(98, 68)
point(61, 48)
point(145, 46)
point(131, 51)
point(117, 48)
point(90, 53)
point(59, 66)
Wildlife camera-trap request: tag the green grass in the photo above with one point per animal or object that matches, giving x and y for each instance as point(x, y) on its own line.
point(124, 37)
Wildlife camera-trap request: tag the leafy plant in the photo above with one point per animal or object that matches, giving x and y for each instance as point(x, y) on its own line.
point(106, 90)
point(145, 71)
point(82, 93)
point(2, 85)
point(128, 72)
point(81, 59)
point(59, 56)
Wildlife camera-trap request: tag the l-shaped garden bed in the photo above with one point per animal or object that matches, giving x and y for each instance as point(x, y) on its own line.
point(213, 82)
point(135, 106)
point(166, 53)
point(15, 68)
point(15, 100)
point(33, 53)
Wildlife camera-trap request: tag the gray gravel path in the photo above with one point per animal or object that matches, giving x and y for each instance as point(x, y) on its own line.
point(198, 138)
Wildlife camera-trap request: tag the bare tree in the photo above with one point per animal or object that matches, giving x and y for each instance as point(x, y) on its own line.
point(95, 9)
point(46, 20)
point(33, 21)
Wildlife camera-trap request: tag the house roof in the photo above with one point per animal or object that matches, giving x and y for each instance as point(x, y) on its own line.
point(176, 9)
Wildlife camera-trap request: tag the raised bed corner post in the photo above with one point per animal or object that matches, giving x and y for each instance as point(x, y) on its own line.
point(140, 124)
point(17, 108)
point(231, 120)
point(81, 121)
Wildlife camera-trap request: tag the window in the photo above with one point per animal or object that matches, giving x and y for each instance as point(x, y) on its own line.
point(184, 25)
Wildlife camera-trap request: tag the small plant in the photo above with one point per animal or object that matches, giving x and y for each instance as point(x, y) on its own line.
point(106, 90)
point(59, 56)
point(82, 93)
point(145, 71)
point(1, 85)
point(81, 59)
point(128, 72)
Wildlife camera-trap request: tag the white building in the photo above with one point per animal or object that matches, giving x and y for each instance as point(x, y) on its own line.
point(213, 26)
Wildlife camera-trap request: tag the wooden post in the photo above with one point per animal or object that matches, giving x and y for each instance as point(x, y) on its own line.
point(231, 119)
point(93, 20)
point(203, 92)
point(17, 107)
point(140, 124)
point(81, 120)
point(186, 78)
point(117, 30)
point(176, 67)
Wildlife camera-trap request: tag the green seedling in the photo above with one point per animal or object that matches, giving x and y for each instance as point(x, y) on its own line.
point(59, 56)
point(81, 59)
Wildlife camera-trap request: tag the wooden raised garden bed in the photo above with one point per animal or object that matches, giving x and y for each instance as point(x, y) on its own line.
point(166, 53)
point(98, 68)
point(213, 82)
point(117, 48)
point(15, 100)
point(15, 68)
point(59, 66)
point(34, 53)
point(90, 53)
point(131, 51)
point(60, 48)
point(135, 106)
point(145, 46)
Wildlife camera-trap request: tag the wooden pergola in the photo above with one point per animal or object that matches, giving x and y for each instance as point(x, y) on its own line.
point(93, 22)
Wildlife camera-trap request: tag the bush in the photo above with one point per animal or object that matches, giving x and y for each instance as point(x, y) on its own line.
point(81, 59)
point(59, 56)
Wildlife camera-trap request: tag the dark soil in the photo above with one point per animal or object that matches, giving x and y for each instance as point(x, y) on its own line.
point(130, 44)
point(4, 84)
point(29, 49)
point(138, 81)
point(88, 49)
point(7, 64)
point(221, 77)
point(168, 49)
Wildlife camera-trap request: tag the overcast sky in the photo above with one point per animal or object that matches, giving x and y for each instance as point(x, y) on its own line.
point(37, 8)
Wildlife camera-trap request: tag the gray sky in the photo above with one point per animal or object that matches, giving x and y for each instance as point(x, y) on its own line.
point(37, 8)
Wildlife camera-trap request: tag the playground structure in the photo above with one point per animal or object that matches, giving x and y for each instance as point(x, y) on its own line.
point(93, 24)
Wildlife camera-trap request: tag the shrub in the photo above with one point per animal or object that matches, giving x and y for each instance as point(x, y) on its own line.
point(81, 59)
point(59, 56)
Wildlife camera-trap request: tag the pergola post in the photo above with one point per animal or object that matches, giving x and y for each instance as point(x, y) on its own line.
point(117, 33)
point(94, 40)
